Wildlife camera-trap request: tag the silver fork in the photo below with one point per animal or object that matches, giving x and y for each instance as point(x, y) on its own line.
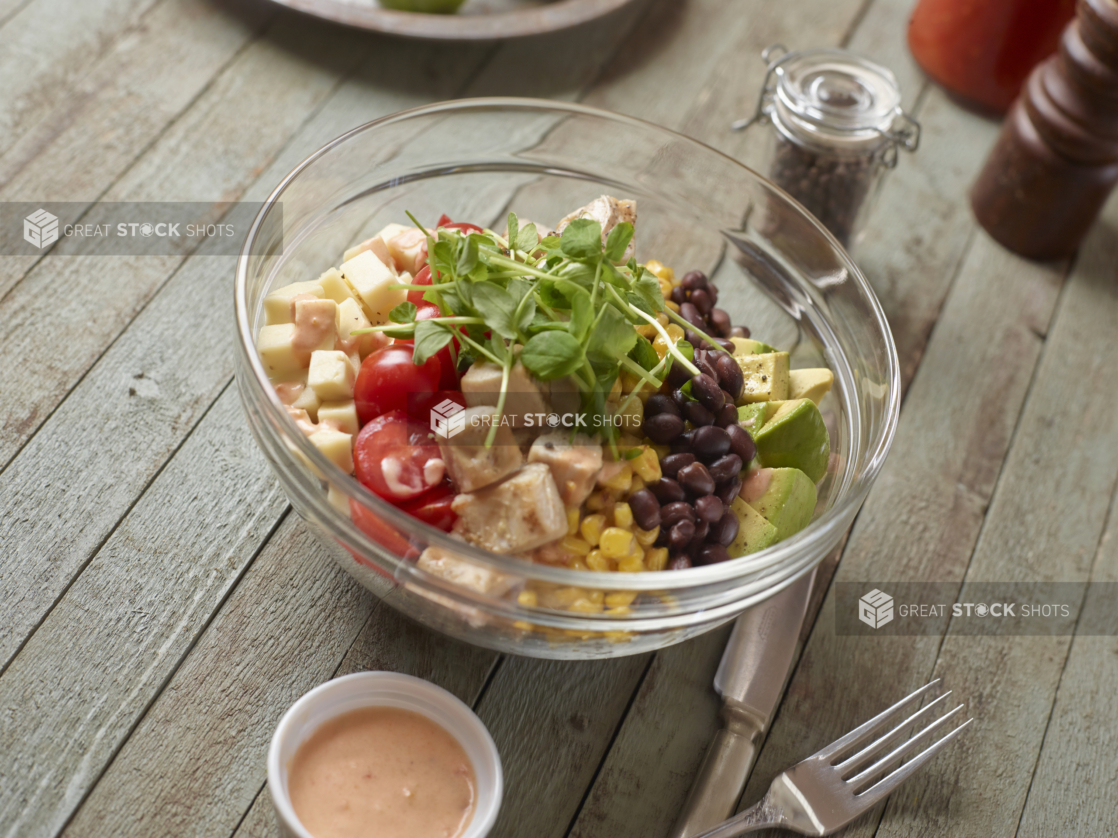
point(831, 788)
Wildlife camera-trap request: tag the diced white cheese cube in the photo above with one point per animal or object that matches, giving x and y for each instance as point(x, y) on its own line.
point(351, 318)
point(377, 245)
point(277, 305)
point(335, 287)
point(468, 462)
point(315, 326)
point(331, 376)
point(370, 278)
point(574, 466)
point(405, 245)
point(341, 416)
point(337, 447)
point(289, 390)
point(518, 514)
point(309, 401)
point(277, 350)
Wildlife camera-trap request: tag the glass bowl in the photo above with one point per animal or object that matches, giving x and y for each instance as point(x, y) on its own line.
point(778, 272)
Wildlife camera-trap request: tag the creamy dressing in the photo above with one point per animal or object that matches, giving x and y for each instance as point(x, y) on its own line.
point(756, 483)
point(382, 772)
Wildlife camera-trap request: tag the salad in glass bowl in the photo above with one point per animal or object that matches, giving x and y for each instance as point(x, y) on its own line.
point(540, 393)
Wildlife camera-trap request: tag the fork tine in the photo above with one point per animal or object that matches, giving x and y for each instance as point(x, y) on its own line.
point(863, 732)
point(847, 765)
point(901, 750)
point(886, 784)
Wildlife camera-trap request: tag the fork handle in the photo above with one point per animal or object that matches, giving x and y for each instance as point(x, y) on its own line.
point(761, 815)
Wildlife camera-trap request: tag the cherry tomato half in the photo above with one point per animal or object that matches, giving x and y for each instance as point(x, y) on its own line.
point(448, 371)
point(462, 226)
point(396, 459)
point(434, 507)
point(422, 278)
point(382, 533)
point(389, 380)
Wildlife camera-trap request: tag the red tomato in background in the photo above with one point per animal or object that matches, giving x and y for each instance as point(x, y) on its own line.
point(422, 278)
point(462, 226)
point(448, 369)
point(434, 507)
point(382, 533)
point(396, 459)
point(389, 380)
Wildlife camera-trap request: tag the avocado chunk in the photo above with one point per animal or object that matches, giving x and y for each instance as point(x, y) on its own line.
point(784, 496)
point(747, 346)
point(795, 437)
point(811, 384)
point(754, 532)
point(753, 416)
point(766, 377)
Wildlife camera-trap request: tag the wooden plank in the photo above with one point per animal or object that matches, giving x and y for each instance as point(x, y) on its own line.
point(197, 759)
point(1074, 789)
point(1044, 525)
point(923, 517)
point(73, 694)
point(145, 429)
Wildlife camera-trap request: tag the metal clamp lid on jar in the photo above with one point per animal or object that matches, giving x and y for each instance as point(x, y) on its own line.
point(835, 99)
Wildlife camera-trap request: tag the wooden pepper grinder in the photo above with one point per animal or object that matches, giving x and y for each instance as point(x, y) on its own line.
point(1056, 159)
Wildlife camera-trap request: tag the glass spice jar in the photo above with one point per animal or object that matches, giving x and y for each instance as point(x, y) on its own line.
point(837, 127)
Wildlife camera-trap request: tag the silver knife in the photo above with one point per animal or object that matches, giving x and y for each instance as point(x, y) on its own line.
point(750, 680)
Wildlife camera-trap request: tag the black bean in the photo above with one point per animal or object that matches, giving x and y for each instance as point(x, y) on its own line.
point(678, 375)
point(727, 398)
point(703, 362)
point(682, 443)
point(739, 332)
point(727, 416)
point(696, 480)
point(713, 554)
point(698, 415)
point(710, 443)
point(725, 468)
point(720, 323)
point(706, 390)
point(730, 376)
point(671, 464)
point(679, 295)
point(666, 490)
point(701, 300)
point(726, 344)
point(660, 403)
point(679, 398)
point(741, 443)
point(712, 289)
point(646, 509)
point(693, 280)
point(672, 513)
point(726, 530)
point(680, 535)
point(693, 338)
point(663, 427)
point(702, 528)
point(726, 492)
point(680, 562)
point(709, 509)
point(691, 314)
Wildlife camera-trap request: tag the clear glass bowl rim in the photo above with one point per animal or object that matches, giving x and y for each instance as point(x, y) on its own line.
point(819, 534)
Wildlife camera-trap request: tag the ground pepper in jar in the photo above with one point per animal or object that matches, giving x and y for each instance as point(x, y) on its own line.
point(837, 125)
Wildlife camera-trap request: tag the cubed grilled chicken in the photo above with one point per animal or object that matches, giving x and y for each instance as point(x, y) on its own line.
point(482, 386)
point(518, 514)
point(609, 212)
point(469, 463)
point(574, 466)
point(439, 562)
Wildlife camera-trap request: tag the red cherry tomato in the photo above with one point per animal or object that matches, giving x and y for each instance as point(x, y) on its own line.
point(396, 459)
point(389, 380)
point(422, 278)
point(462, 226)
point(448, 371)
point(434, 507)
point(382, 533)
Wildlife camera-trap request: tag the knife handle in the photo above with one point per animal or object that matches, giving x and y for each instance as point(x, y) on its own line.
point(718, 785)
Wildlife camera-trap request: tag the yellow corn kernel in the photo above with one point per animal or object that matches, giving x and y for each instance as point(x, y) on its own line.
point(620, 481)
point(577, 564)
point(665, 287)
point(591, 528)
point(656, 558)
point(675, 331)
point(616, 598)
point(597, 597)
point(662, 319)
point(572, 520)
point(631, 564)
point(616, 543)
point(647, 331)
point(529, 599)
point(645, 538)
point(596, 561)
point(574, 544)
point(623, 516)
point(600, 500)
point(628, 382)
point(674, 306)
point(620, 611)
point(659, 269)
point(660, 345)
point(585, 606)
point(520, 625)
point(563, 597)
point(636, 485)
point(647, 465)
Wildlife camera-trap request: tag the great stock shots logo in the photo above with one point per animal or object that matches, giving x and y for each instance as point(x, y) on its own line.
point(448, 418)
point(40, 228)
point(875, 609)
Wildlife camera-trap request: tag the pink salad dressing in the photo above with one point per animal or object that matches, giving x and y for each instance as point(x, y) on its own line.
point(382, 772)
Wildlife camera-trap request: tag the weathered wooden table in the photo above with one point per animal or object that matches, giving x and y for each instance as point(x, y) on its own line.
point(160, 606)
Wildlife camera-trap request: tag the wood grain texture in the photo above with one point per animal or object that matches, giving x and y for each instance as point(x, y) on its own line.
point(1044, 525)
point(923, 516)
point(74, 693)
